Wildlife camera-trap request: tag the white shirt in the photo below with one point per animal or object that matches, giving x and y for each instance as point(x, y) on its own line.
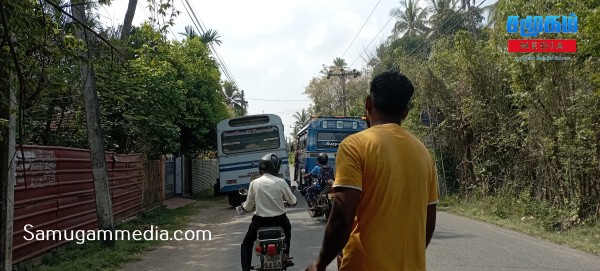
point(268, 193)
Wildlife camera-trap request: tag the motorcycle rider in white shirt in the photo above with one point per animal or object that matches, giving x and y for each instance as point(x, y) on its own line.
point(267, 193)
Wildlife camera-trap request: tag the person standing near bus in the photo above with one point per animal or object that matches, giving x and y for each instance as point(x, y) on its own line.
point(384, 211)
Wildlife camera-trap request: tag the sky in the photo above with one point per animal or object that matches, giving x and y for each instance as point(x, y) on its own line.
point(273, 48)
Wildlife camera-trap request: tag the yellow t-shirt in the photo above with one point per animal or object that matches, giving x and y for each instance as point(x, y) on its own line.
point(397, 177)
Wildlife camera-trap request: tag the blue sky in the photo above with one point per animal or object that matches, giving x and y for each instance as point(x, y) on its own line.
point(273, 48)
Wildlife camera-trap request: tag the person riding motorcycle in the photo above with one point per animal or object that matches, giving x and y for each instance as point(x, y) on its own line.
point(267, 193)
point(322, 172)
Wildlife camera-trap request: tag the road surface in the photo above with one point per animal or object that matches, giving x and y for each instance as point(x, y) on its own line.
point(458, 244)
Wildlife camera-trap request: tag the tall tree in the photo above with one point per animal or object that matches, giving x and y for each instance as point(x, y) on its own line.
point(302, 118)
point(410, 19)
point(339, 62)
point(131, 7)
point(104, 212)
point(211, 36)
point(189, 33)
point(234, 98)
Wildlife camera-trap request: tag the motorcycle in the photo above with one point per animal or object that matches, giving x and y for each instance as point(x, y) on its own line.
point(269, 245)
point(323, 201)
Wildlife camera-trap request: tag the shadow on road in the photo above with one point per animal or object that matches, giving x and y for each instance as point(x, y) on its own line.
point(441, 234)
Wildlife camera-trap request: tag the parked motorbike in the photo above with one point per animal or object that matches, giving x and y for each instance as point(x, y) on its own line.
point(323, 201)
point(269, 245)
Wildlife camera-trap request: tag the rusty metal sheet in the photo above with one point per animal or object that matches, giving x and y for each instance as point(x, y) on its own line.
point(55, 191)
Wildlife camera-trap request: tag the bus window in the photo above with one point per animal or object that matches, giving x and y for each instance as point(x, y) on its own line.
point(255, 139)
point(327, 140)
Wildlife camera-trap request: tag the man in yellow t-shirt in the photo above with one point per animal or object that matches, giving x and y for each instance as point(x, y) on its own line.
point(385, 186)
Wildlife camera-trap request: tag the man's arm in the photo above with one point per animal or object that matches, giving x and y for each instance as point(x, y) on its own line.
point(288, 195)
point(339, 225)
point(430, 228)
point(248, 205)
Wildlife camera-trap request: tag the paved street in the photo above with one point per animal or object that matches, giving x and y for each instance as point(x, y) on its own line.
point(458, 244)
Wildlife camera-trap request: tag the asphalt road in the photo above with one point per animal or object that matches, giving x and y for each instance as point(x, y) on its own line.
point(458, 244)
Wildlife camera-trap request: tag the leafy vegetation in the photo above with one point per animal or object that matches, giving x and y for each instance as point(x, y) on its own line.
point(157, 96)
point(516, 131)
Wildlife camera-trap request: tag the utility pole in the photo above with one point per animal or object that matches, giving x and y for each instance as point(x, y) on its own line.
point(343, 74)
point(104, 211)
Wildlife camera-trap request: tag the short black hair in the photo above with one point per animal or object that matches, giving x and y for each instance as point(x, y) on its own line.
point(391, 92)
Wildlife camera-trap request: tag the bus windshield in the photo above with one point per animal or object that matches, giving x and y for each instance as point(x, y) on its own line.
point(328, 140)
point(253, 139)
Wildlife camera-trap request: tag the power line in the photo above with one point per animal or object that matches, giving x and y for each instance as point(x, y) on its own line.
point(198, 25)
point(361, 28)
point(269, 100)
point(214, 49)
point(85, 26)
point(391, 17)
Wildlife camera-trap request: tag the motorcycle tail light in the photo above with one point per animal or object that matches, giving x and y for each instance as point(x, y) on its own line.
point(258, 249)
point(271, 250)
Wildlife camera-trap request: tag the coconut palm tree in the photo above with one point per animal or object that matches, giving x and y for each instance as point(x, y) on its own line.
point(439, 6)
point(302, 118)
point(339, 62)
point(234, 98)
point(410, 19)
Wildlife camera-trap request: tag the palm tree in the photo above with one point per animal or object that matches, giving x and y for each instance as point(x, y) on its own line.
point(234, 98)
point(207, 37)
point(410, 18)
point(190, 33)
point(439, 6)
point(211, 35)
point(339, 62)
point(302, 118)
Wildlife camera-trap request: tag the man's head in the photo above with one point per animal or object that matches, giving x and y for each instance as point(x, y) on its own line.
point(269, 163)
point(322, 158)
point(388, 98)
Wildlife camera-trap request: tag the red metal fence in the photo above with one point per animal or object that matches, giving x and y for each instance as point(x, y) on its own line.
point(55, 191)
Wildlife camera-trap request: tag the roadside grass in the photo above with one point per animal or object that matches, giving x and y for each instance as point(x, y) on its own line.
point(89, 256)
point(583, 236)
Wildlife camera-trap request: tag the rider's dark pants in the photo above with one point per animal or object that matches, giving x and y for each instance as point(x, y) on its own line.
point(259, 222)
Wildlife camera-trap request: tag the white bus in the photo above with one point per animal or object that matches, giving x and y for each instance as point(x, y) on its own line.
point(241, 142)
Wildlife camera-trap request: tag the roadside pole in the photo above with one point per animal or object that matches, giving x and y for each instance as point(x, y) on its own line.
point(343, 74)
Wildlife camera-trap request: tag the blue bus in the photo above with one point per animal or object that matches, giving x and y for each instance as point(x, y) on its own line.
point(322, 134)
